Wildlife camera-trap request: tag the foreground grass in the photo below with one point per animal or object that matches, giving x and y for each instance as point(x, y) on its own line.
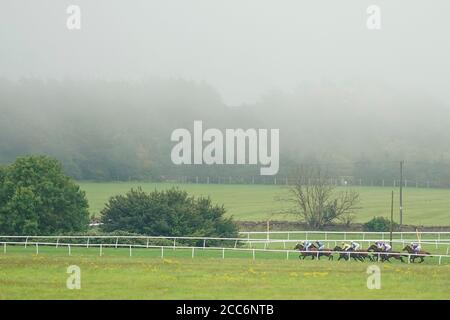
point(258, 202)
point(145, 275)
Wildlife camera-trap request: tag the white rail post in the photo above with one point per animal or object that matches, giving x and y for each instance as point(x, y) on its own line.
point(440, 258)
point(447, 249)
point(87, 244)
point(193, 252)
point(117, 241)
point(101, 249)
point(287, 255)
point(174, 243)
point(70, 253)
point(26, 242)
point(57, 243)
point(130, 250)
point(147, 242)
point(162, 252)
point(409, 258)
point(4, 247)
point(253, 254)
point(284, 244)
point(37, 248)
point(235, 244)
point(436, 244)
point(204, 243)
point(289, 236)
point(223, 253)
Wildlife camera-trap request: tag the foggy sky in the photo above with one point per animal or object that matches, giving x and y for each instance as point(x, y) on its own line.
point(243, 48)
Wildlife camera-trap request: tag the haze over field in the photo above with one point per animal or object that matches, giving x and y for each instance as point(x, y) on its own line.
point(242, 48)
point(104, 99)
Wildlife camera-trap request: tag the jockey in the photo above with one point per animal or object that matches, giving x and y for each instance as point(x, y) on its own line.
point(387, 247)
point(320, 245)
point(355, 245)
point(380, 245)
point(346, 246)
point(416, 247)
point(306, 244)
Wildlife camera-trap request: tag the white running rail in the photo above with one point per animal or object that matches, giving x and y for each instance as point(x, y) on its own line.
point(101, 246)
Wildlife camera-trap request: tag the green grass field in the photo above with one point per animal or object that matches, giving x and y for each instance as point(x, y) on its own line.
point(145, 275)
point(258, 202)
point(271, 275)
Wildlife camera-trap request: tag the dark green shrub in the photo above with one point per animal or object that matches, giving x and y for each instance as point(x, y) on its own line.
point(167, 213)
point(379, 224)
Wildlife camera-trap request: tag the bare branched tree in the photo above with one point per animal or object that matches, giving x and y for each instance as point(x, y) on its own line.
point(317, 202)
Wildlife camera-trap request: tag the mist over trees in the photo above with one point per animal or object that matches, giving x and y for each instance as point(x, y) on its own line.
point(118, 130)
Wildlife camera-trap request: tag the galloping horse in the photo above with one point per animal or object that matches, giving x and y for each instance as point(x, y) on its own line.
point(350, 253)
point(386, 255)
point(373, 248)
point(413, 257)
point(365, 255)
point(313, 252)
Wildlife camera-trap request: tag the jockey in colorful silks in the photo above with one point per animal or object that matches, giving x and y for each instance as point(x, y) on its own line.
point(346, 246)
point(306, 244)
point(355, 245)
point(383, 246)
point(320, 245)
point(380, 245)
point(416, 247)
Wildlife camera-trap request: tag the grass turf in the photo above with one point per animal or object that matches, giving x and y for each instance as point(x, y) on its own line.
point(145, 275)
point(422, 206)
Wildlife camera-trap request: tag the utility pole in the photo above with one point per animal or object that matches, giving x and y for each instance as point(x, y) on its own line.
point(392, 216)
point(401, 193)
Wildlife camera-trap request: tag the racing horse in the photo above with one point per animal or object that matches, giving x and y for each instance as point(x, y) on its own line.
point(415, 255)
point(350, 253)
point(313, 251)
point(383, 255)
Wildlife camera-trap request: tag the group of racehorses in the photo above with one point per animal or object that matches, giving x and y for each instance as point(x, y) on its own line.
point(373, 253)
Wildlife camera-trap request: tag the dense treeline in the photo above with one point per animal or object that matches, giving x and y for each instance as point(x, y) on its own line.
point(120, 130)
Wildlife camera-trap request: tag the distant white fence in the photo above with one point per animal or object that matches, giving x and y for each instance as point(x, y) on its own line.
point(344, 181)
point(348, 235)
